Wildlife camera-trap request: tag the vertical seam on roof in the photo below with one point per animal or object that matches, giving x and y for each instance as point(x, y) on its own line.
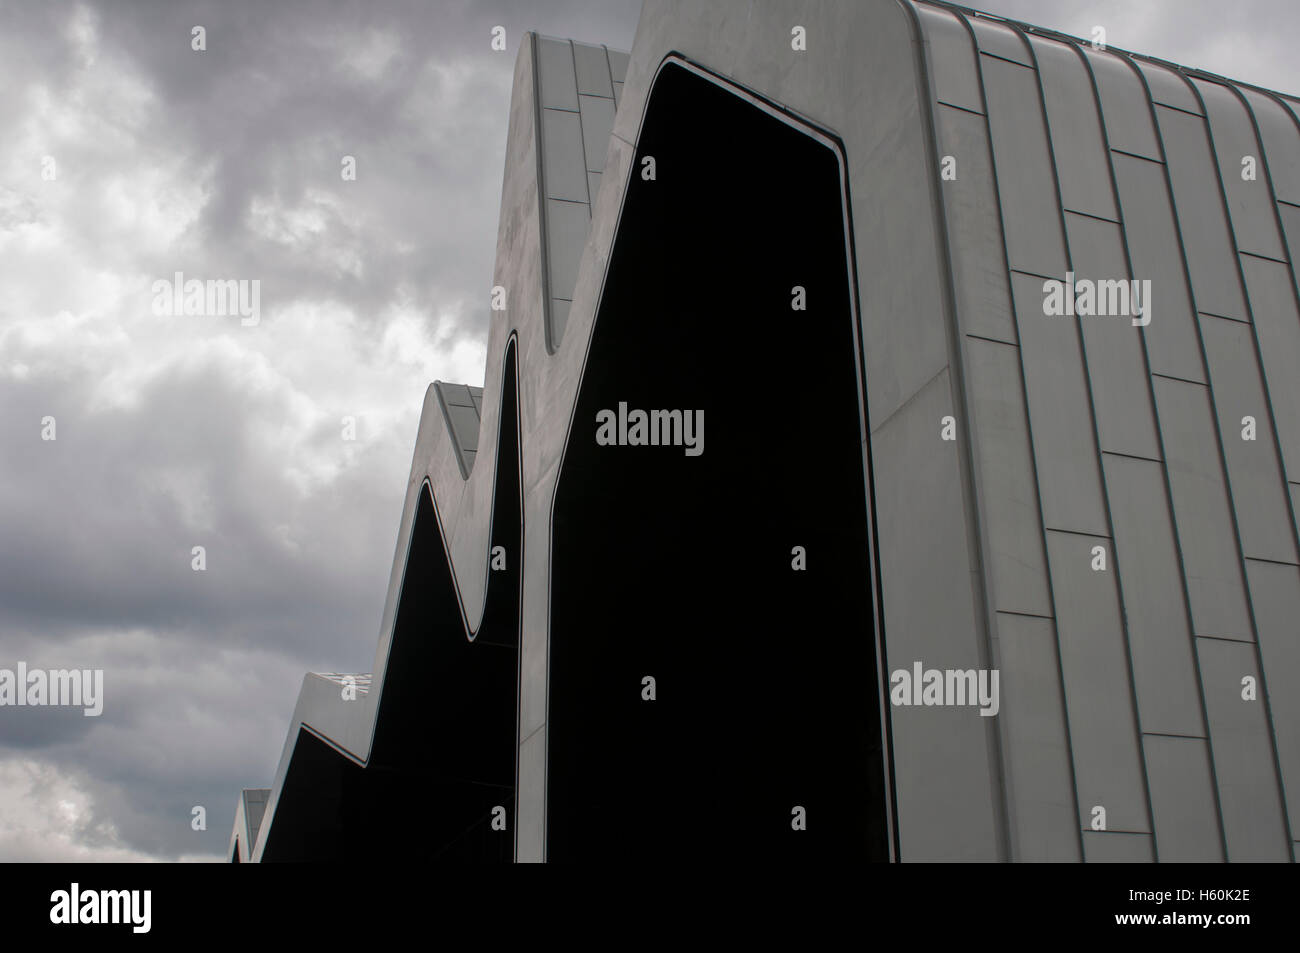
point(1095, 89)
point(1268, 401)
point(1029, 434)
point(1169, 489)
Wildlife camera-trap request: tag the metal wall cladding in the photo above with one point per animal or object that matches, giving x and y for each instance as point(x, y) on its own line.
point(1156, 464)
point(1040, 790)
point(576, 102)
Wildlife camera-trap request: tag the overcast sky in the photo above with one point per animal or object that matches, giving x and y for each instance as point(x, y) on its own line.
point(175, 432)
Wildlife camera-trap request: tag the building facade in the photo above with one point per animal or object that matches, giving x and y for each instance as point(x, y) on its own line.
point(889, 449)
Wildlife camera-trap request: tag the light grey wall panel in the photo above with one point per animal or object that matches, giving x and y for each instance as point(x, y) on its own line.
point(974, 227)
point(1249, 797)
point(1077, 143)
point(1250, 204)
point(464, 425)
point(593, 185)
point(1098, 688)
point(592, 68)
point(1206, 534)
point(1160, 638)
point(950, 56)
point(618, 61)
point(559, 316)
point(563, 165)
point(1173, 347)
point(1257, 486)
point(1277, 326)
point(618, 94)
point(597, 123)
point(1038, 756)
point(928, 591)
point(1123, 104)
point(1065, 448)
point(1201, 221)
point(1112, 847)
point(1121, 393)
point(566, 228)
point(1168, 87)
point(1026, 189)
point(555, 74)
point(1182, 799)
point(1275, 595)
point(999, 39)
point(1290, 225)
point(1281, 144)
point(1010, 492)
point(1295, 502)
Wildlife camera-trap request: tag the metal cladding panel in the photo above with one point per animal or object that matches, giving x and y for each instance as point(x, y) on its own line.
point(566, 229)
point(1206, 535)
point(1255, 478)
point(999, 39)
point(1245, 184)
point(1201, 222)
point(928, 588)
point(457, 394)
point(1065, 449)
point(1077, 142)
point(1168, 88)
point(1030, 213)
point(592, 68)
point(559, 317)
point(1098, 687)
point(1290, 215)
point(563, 164)
point(618, 61)
point(1116, 847)
point(464, 424)
point(1124, 104)
point(597, 122)
point(1295, 502)
point(1041, 790)
point(974, 227)
point(1281, 140)
point(1001, 441)
point(558, 88)
point(1275, 594)
point(1112, 344)
point(1173, 347)
point(1160, 637)
point(1277, 326)
point(1241, 740)
point(1182, 799)
point(954, 75)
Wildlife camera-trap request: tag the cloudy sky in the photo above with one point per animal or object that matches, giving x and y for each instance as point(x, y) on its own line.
point(126, 156)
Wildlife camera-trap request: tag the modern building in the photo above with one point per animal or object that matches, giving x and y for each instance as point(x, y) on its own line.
point(889, 449)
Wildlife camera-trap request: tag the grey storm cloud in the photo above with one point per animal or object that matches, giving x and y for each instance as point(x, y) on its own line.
point(175, 432)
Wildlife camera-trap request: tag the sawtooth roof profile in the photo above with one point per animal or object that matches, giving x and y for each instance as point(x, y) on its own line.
point(833, 236)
